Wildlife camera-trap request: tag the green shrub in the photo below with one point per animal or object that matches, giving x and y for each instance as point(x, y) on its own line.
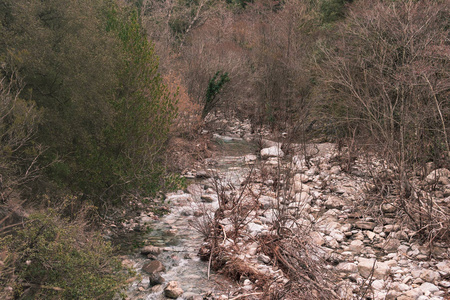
point(50, 258)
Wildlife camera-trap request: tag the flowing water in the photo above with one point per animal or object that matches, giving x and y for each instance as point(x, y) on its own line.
point(179, 240)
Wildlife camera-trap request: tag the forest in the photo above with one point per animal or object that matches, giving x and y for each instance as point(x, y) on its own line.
point(103, 101)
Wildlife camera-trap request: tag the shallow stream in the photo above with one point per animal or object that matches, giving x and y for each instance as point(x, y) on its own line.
point(178, 239)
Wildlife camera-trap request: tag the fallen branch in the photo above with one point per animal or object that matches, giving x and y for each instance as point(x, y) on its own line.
point(245, 295)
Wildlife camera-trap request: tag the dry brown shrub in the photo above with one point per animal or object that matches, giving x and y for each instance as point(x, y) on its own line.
point(188, 119)
point(182, 153)
point(298, 259)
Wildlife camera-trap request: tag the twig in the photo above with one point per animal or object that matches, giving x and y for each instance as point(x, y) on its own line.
point(245, 295)
point(210, 259)
point(55, 288)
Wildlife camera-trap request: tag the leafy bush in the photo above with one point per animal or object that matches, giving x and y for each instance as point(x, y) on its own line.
point(50, 258)
point(92, 72)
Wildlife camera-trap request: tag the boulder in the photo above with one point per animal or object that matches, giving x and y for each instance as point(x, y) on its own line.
point(274, 151)
point(444, 266)
point(202, 174)
point(317, 238)
point(391, 245)
point(173, 290)
point(388, 208)
point(150, 250)
point(153, 267)
point(267, 201)
point(249, 158)
point(209, 198)
point(365, 225)
point(439, 176)
point(356, 246)
point(430, 275)
point(365, 266)
point(155, 279)
point(347, 267)
point(334, 202)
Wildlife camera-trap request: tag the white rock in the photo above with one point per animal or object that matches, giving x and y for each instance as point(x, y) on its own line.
point(274, 151)
point(428, 287)
point(337, 235)
point(430, 275)
point(370, 234)
point(209, 198)
point(356, 246)
point(365, 268)
point(378, 284)
point(267, 201)
point(330, 242)
point(403, 287)
point(414, 293)
point(444, 266)
point(250, 157)
point(335, 170)
point(173, 290)
point(317, 238)
point(303, 197)
point(347, 267)
point(403, 249)
point(445, 284)
point(312, 171)
point(255, 229)
point(301, 187)
point(334, 202)
point(439, 175)
point(391, 245)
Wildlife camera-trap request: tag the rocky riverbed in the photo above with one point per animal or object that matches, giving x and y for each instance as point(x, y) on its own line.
point(366, 243)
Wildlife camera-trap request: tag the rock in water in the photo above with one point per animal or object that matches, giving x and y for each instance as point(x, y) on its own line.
point(173, 290)
point(156, 279)
point(153, 267)
point(150, 250)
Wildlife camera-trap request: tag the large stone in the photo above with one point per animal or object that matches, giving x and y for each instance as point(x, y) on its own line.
point(150, 250)
point(155, 279)
point(365, 225)
point(388, 208)
point(378, 285)
point(356, 246)
point(439, 176)
point(267, 201)
point(209, 198)
point(334, 202)
point(153, 267)
point(299, 185)
point(347, 267)
point(179, 199)
point(317, 238)
point(173, 290)
point(250, 158)
point(380, 270)
point(428, 287)
point(255, 229)
point(274, 151)
point(391, 245)
point(444, 266)
point(429, 275)
point(302, 198)
point(202, 174)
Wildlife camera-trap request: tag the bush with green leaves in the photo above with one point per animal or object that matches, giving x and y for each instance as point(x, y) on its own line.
point(93, 74)
point(46, 257)
point(215, 86)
